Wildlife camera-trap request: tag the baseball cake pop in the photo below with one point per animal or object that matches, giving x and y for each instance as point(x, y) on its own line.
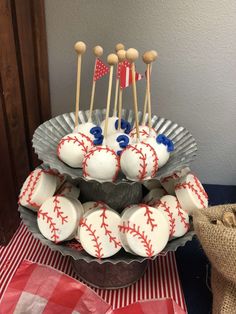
point(37, 188)
point(191, 194)
point(58, 218)
point(177, 217)
point(144, 230)
point(98, 232)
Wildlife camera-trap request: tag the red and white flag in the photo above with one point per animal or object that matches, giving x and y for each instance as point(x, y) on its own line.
point(101, 69)
point(124, 63)
point(126, 76)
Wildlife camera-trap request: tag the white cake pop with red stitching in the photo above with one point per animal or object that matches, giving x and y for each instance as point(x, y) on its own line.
point(86, 128)
point(191, 194)
point(98, 232)
point(37, 188)
point(117, 141)
point(144, 133)
point(58, 218)
point(163, 147)
point(139, 162)
point(72, 148)
point(169, 182)
point(177, 217)
point(101, 163)
point(144, 230)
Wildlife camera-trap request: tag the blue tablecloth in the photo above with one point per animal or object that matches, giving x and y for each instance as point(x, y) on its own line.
point(193, 265)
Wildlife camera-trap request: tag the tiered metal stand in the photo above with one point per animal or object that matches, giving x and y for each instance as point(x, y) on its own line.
point(123, 269)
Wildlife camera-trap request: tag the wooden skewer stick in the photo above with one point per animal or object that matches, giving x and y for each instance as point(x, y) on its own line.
point(121, 57)
point(148, 58)
point(80, 48)
point(98, 52)
point(118, 48)
point(132, 55)
point(112, 59)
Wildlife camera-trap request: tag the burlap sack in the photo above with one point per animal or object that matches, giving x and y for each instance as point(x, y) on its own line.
point(219, 243)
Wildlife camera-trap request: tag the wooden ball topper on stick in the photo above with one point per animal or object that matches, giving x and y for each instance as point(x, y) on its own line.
point(112, 60)
point(148, 58)
point(155, 55)
point(98, 52)
point(118, 47)
point(132, 55)
point(80, 48)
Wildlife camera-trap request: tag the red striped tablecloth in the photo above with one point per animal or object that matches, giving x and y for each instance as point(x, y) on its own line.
point(160, 280)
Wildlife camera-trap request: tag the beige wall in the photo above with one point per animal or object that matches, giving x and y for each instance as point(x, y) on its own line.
point(194, 81)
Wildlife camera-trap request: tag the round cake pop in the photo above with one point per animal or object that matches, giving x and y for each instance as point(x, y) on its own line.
point(101, 163)
point(58, 218)
point(139, 162)
point(72, 148)
point(99, 233)
point(144, 230)
point(143, 133)
point(85, 128)
point(117, 142)
point(177, 217)
point(162, 146)
point(113, 126)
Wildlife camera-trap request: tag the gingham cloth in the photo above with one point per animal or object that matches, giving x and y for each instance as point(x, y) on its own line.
point(161, 279)
point(38, 289)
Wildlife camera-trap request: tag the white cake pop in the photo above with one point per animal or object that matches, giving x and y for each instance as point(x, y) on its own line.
point(113, 126)
point(72, 148)
point(58, 218)
point(139, 162)
point(87, 206)
point(143, 133)
point(85, 128)
point(169, 182)
point(177, 217)
point(191, 194)
point(98, 232)
point(37, 188)
point(144, 230)
point(163, 147)
point(101, 163)
point(117, 142)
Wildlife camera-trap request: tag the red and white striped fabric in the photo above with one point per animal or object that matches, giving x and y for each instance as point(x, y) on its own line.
point(101, 69)
point(126, 76)
point(160, 281)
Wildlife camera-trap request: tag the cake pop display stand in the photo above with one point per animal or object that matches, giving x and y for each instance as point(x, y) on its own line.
point(122, 269)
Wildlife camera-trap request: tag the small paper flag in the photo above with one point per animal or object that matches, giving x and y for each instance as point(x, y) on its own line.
point(124, 63)
point(101, 69)
point(126, 76)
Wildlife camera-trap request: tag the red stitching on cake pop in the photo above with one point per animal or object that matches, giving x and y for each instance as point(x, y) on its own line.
point(23, 193)
point(75, 140)
point(155, 159)
point(198, 184)
point(143, 165)
point(174, 176)
point(180, 214)
point(135, 231)
point(142, 132)
point(170, 216)
point(97, 245)
point(148, 213)
point(32, 189)
point(107, 231)
point(98, 149)
point(188, 185)
point(52, 225)
point(56, 209)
